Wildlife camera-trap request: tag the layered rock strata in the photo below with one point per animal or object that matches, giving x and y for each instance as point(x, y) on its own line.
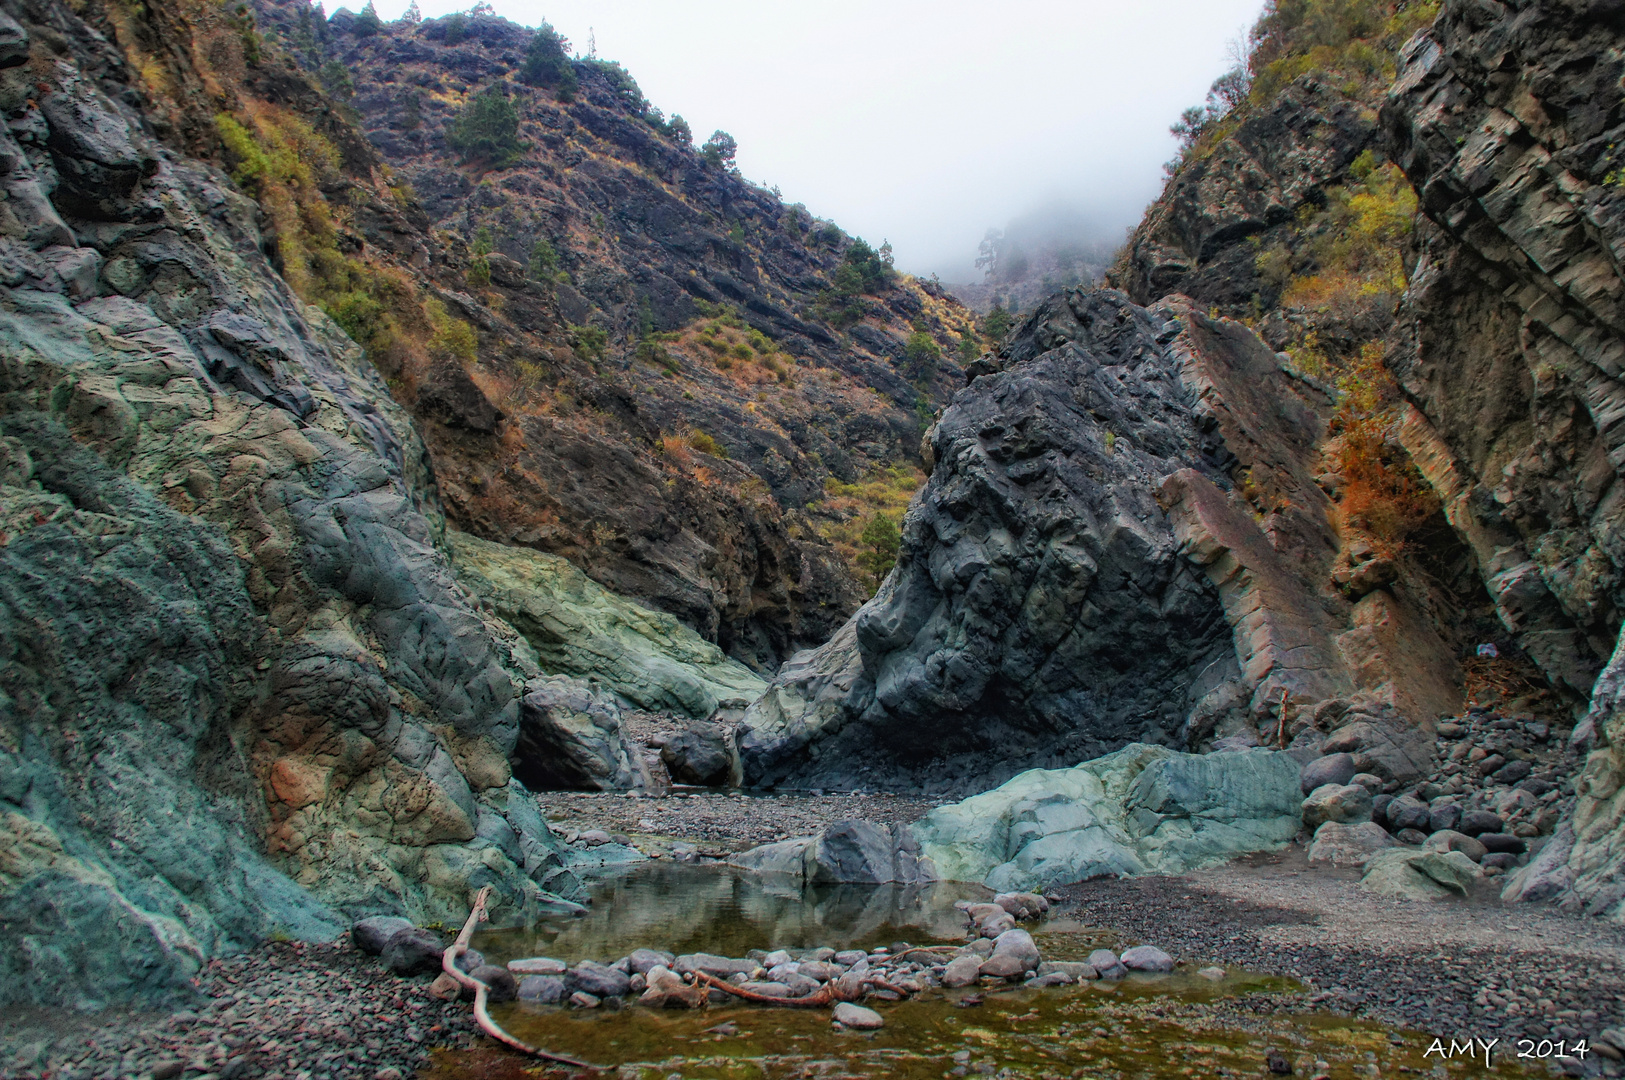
point(1045, 608)
point(1508, 119)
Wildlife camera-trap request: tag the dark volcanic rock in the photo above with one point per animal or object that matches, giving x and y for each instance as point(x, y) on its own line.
point(371, 935)
point(1194, 239)
point(699, 754)
point(1041, 609)
point(413, 952)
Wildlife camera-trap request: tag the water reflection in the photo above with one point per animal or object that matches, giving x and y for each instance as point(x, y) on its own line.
point(689, 908)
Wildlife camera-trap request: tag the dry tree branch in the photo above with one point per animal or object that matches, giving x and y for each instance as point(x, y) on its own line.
point(820, 997)
point(448, 964)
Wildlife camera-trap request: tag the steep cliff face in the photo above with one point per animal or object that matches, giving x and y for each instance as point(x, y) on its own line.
point(670, 365)
point(1083, 570)
point(1507, 119)
point(1501, 324)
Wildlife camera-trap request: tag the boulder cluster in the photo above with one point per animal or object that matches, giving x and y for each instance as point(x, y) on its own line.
point(997, 952)
point(1495, 792)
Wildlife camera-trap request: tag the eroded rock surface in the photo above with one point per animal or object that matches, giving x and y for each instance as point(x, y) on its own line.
point(1040, 610)
point(241, 691)
point(1142, 809)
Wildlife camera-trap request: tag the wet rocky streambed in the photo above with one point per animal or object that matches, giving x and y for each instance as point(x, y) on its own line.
point(1177, 1024)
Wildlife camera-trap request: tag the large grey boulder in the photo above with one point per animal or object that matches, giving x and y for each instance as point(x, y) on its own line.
point(371, 935)
point(1345, 803)
point(599, 980)
point(1419, 875)
point(413, 952)
point(855, 852)
point(1331, 769)
point(570, 737)
point(578, 627)
point(699, 754)
point(1349, 845)
point(1038, 581)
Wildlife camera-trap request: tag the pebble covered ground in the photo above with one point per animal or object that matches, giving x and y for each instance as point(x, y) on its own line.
point(719, 821)
point(1451, 969)
point(279, 1012)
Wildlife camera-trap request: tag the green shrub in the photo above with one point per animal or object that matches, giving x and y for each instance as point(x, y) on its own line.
point(921, 355)
point(651, 352)
point(625, 86)
point(367, 23)
point(881, 543)
point(705, 444)
point(543, 259)
point(874, 271)
point(680, 132)
point(452, 336)
point(588, 342)
point(997, 322)
point(456, 28)
point(969, 348)
point(719, 149)
point(547, 63)
point(486, 131)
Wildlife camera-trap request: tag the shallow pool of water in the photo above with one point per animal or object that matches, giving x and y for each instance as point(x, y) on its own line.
point(685, 908)
point(1143, 1027)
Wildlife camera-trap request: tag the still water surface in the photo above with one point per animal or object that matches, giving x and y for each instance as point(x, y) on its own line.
point(1142, 1027)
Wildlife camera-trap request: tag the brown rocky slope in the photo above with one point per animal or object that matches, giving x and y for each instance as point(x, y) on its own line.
point(667, 371)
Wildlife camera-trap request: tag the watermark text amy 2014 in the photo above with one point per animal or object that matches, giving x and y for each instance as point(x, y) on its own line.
point(1489, 1050)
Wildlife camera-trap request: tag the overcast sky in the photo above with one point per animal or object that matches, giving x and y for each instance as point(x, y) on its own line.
point(921, 123)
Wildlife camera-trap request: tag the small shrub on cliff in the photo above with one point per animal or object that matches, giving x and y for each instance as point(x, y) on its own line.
point(719, 150)
point(588, 342)
point(705, 444)
point(921, 356)
point(872, 268)
point(451, 337)
point(547, 63)
point(367, 23)
point(544, 260)
point(486, 130)
point(680, 131)
point(881, 542)
point(997, 323)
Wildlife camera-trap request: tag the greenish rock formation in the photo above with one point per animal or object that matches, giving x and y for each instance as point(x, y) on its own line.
point(578, 627)
point(241, 692)
point(1142, 809)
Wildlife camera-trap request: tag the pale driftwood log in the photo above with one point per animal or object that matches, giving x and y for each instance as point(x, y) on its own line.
point(448, 964)
point(827, 994)
point(824, 995)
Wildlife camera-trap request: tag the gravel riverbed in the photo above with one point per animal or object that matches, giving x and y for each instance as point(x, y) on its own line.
point(720, 821)
point(1453, 969)
point(278, 1012)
